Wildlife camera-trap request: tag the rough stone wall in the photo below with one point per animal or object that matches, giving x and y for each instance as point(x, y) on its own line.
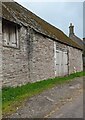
point(0, 52)
point(0, 61)
point(15, 62)
point(42, 58)
point(35, 60)
point(75, 60)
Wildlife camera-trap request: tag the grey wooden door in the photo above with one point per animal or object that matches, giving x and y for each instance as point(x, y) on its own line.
point(65, 63)
point(61, 63)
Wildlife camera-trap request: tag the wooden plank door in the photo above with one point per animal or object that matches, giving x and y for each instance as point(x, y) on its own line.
point(61, 63)
point(57, 62)
point(65, 63)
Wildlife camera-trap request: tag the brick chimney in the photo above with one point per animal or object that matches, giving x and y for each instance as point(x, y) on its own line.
point(71, 30)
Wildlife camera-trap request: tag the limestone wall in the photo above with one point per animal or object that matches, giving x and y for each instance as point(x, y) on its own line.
point(34, 60)
point(42, 58)
point(75, 60)
point(15, 62)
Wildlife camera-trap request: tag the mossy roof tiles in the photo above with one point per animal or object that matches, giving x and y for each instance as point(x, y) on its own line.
point(16, 13)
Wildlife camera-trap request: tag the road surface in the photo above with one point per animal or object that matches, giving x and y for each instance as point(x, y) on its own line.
point(72, 109)
point(61, 101)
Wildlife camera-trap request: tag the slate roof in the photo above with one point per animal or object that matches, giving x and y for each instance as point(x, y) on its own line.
point(77, 40)
point(14, 12)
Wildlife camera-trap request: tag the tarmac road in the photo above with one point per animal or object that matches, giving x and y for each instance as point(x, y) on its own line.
point(61, 101)
point(73, 109)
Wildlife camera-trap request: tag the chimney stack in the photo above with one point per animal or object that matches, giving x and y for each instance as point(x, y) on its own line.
point(71, 30)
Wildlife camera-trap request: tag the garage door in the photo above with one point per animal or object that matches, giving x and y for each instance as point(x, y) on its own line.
point(61, 63)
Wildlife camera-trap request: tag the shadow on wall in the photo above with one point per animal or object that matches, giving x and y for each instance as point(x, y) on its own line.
point(84, 35)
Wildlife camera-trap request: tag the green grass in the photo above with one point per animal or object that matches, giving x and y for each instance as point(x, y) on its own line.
point(15, 97)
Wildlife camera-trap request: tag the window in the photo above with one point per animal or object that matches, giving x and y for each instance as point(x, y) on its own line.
point(10, 33)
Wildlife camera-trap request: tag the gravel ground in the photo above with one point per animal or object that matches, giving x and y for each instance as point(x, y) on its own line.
point(72, 109)
point(44, 104)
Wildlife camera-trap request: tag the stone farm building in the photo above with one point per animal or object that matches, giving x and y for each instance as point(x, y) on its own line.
point(33, 49)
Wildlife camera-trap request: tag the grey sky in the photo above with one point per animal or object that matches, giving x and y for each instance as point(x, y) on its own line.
point(59, 14)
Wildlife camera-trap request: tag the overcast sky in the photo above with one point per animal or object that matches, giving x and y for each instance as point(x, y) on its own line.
point(59, 14)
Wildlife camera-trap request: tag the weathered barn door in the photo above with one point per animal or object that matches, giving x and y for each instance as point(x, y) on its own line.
point(61, 63)
point(65, 63)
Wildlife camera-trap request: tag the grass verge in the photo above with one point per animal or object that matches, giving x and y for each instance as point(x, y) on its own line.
point(12, 98)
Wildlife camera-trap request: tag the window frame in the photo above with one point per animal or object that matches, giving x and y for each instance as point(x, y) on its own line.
point(17, 34)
